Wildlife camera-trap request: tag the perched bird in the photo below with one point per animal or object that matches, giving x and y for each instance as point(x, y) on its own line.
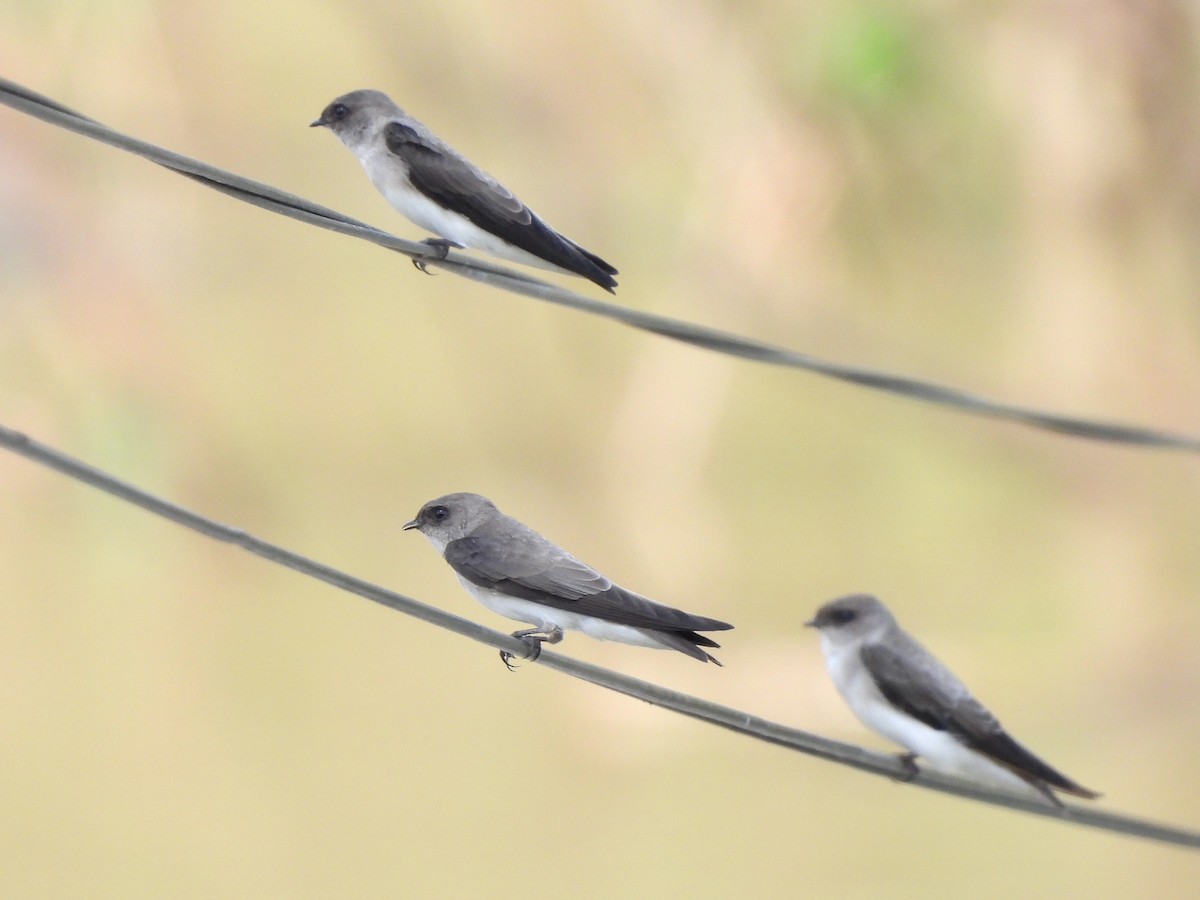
point(897, 688)
point(514, 571)
point(435, 187)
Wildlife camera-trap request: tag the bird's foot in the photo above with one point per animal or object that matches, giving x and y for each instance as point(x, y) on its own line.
point(911, 769)
point(440, 246)
point(533, 638)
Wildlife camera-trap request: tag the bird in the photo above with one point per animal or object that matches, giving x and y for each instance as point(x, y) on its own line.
point(437, 188)
point(514, 571)
point(898, 689)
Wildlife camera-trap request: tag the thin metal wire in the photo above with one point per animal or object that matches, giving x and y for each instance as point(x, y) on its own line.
point(714, 714)
point(275, 200)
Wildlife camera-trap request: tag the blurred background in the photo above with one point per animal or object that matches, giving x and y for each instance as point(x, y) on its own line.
point(1004, 197)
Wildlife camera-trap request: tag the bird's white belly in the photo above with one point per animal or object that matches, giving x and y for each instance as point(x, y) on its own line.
point(938, 749)
point(547, 617)
point(420, 210)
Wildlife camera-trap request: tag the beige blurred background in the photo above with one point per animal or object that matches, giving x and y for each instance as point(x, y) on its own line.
point(1002, 197)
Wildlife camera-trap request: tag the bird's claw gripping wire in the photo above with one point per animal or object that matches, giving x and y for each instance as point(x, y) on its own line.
point(441, 248)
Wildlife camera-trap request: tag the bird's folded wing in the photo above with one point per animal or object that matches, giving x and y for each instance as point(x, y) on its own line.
point(915, 682)
point(452, 182)
point(441, 174)
point(525, 568)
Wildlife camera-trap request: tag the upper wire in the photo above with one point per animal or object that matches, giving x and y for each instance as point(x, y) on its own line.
point(266, 197)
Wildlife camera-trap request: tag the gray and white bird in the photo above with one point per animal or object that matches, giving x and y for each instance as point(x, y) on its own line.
point(438, 189)
point(898, 689)
point(514, 571)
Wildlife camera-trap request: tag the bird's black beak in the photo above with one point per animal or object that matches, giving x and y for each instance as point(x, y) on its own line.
point(408, 526)
point(812, 623)
point(318, 123)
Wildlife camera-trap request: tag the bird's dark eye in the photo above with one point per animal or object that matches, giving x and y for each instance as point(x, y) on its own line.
point(439, 513)
point(843, 616)
point(339, 111)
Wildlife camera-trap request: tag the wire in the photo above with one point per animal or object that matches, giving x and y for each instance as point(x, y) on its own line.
point(267, 197)
point(275, 200)
point(714, 714)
